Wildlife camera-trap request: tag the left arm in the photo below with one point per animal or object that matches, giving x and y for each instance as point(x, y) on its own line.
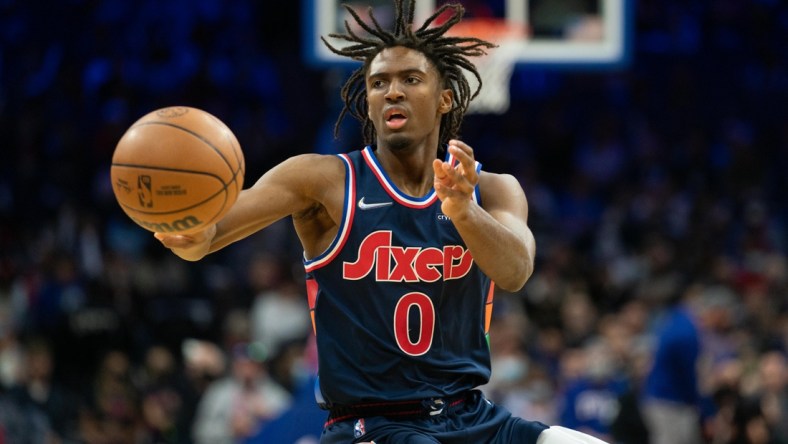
point(497, 235)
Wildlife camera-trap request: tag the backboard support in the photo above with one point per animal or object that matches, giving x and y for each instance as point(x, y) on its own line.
point(573, 34)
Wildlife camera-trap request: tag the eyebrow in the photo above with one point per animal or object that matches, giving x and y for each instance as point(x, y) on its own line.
point(398, 72)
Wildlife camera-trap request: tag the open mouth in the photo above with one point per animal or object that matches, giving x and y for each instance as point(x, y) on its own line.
point(395, 119)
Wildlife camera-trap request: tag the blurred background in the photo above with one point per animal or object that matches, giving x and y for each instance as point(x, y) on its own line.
point(656, 194)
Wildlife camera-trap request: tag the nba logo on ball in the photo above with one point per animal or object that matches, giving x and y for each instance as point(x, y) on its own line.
point(177, 170)
point(144, 191)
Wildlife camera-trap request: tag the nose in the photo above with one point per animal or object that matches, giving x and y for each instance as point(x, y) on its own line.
point(394, 93)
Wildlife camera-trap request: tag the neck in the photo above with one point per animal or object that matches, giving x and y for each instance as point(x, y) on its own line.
point(410, 168)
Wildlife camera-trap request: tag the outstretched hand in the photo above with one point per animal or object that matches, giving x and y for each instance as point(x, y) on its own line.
point(454, 185)
point(190, 247)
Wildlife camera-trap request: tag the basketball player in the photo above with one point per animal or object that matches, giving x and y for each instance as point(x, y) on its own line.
point(403, 242)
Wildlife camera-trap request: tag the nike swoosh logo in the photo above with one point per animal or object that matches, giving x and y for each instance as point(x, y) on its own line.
point(368, 206)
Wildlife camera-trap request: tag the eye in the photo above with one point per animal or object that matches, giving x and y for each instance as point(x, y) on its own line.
point(412, 80)
point(376, 84)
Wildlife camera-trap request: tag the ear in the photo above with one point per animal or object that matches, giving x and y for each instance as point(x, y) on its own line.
point(446, 101)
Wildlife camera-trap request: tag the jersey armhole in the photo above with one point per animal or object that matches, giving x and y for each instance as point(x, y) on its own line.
point(348, 211)
point(477, 195)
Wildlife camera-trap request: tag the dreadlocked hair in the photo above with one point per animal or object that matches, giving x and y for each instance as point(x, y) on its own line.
point(449, 54)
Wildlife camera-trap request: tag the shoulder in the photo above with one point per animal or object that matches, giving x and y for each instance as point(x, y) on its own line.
point(497, 181)
point(500, 190)
point(307, 172)
point(325, 162)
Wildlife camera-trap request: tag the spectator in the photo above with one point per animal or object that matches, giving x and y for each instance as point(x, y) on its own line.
point(279, 312)
point(672, 396)
point(38, 390)
point(203, 363)
point(236, 406)
point(772, 395)
point(111, 413)
point(23, 424)
point(163, 398)
point(590, 403)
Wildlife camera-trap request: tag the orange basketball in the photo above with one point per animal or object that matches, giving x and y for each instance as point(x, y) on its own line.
point(177, 170)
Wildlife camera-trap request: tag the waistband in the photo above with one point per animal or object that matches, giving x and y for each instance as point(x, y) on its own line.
point(411, 409)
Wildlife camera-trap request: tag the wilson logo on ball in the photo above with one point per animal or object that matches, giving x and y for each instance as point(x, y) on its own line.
point(175, 226)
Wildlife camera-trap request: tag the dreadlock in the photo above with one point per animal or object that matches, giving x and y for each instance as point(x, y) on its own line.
point(448, 54)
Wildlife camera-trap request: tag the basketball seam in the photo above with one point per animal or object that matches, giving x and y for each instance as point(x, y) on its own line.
point(181, 170)
point(197, 135)
point(151, 213)
point(237, 152)
point(236, 149)
point(162, 213)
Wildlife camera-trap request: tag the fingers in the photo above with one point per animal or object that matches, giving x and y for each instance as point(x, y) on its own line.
point(462, 177)
point(467, 163)
point(186, 240)
point(464, 154)
point(174, 240)
point(437, 169)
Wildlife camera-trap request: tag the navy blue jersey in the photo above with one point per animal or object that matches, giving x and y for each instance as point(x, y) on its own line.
point(400, 309)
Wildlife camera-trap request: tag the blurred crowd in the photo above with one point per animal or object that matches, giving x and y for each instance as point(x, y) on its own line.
point(655, 192)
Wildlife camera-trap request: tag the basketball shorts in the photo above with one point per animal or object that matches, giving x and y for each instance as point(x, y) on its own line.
point(476, 420)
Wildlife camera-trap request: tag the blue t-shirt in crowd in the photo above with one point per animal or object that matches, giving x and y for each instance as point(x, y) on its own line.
point(673, 376)
point(592, 406)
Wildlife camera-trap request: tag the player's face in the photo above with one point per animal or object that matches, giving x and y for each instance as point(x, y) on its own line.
point(405, 96)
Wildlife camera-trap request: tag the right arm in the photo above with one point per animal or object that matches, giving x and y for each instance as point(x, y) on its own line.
point(295, 186)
